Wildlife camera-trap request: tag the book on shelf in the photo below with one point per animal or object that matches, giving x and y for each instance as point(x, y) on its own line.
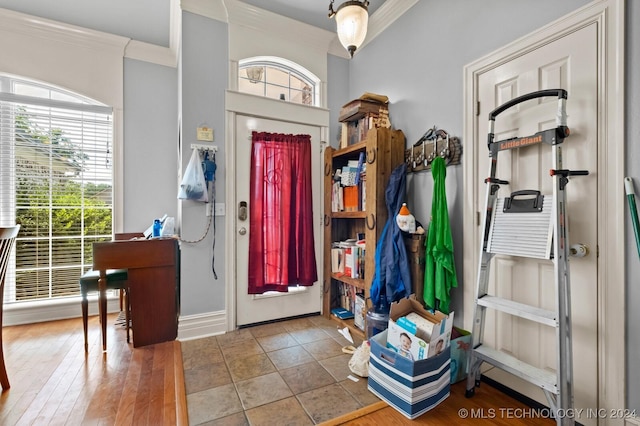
point(342, 313)
point(337, 197)
point(354, 261)
point(363, 192)
point(351, 199)
point(356, 131)
point(349, 262)
point(337, 261)
point(359, 167)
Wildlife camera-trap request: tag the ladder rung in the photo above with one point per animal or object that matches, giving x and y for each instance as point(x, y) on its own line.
point(521, 310)
point(539, 377)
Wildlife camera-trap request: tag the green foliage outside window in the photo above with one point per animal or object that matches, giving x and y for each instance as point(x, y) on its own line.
point(60, 214)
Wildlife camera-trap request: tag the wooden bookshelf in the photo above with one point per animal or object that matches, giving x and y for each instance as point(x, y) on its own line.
point(384, 151)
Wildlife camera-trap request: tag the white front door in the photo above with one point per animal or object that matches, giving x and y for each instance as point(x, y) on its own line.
point(570, 63)
point(250, 308)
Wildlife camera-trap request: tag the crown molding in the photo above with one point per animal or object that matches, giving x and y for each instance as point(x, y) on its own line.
point(235, 12)
point(214, 9)
point(240, 13)
point(160, 55)
point(36, 27)
point(229, 11)
point(152, 53)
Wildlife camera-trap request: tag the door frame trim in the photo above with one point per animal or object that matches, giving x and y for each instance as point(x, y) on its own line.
point(237, 103)
point(609, 16)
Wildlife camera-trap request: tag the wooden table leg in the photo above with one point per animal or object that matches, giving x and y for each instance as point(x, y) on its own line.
point(127, 313)
point(102, 306)
point(85, 314)
point(4, 379)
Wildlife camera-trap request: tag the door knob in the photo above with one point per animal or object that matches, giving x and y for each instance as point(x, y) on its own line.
point(579, 250)
point(242, 231)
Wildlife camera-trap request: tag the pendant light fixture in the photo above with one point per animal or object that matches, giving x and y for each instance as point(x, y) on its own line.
point(352, 18)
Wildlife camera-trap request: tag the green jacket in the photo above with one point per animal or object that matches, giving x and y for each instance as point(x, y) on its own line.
point(440, 268)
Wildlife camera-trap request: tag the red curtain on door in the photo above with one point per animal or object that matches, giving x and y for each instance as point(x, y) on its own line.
point(281, 244)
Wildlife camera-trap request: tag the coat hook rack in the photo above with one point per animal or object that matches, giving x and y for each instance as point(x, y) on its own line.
point(203, 147)
point(434, 143)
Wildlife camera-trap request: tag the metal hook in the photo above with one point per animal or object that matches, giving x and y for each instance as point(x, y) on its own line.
point(373, 219)
point(372, 159)
point(413, 157)
point(424, 157)
point(446, 150)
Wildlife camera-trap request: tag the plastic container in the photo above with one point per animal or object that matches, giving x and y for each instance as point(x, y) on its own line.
point(157, 228)
point(376, 322)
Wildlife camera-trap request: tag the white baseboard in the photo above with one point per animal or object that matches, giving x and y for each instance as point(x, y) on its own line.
point(189, 328)
point(53, 310)
point(202, 325)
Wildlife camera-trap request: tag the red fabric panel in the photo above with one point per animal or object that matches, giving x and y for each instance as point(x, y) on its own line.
point(281, 241)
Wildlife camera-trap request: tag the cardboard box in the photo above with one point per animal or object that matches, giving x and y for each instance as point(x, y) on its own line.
point(412, 388)
point(408, 340)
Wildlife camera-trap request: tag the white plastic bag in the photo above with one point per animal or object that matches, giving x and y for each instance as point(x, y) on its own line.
point(359, 362)
point(168, 227)
point(194, 186)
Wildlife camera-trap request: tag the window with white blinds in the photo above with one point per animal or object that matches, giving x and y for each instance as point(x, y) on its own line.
point(56, 182)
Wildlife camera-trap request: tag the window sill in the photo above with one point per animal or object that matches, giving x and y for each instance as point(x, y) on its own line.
point(52, 310)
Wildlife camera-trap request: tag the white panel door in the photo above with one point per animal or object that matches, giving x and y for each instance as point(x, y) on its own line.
point(569, 63)
point(250, 308)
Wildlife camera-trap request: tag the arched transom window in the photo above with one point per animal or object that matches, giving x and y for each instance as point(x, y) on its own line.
point(278, 78)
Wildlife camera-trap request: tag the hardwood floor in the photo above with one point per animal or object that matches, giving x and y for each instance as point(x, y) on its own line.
point(54, 382)
point(489, 406)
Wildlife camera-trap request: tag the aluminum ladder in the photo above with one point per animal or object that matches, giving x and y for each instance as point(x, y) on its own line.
point(530, 225)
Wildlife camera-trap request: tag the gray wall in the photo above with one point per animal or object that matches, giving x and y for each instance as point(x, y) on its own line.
point(204, 69)
point(150, 143)
point(337, 94)
point(423, 79)
point(418, 62)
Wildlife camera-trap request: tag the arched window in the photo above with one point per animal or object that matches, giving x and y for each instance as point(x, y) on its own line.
point(56, 176)
point(278, 78)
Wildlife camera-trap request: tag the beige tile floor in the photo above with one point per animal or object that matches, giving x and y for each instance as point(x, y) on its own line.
point(286, 373)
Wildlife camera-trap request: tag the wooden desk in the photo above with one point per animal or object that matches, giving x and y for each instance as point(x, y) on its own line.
point(154, 284)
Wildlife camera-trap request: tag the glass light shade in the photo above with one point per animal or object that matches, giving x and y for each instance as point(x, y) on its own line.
point(352, 19)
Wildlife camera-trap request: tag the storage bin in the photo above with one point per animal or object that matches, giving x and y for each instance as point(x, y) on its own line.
point(411, 387)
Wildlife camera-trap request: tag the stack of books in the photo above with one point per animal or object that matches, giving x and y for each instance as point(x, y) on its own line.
point(361, 115)
point(347, 258)
point(349, 191)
